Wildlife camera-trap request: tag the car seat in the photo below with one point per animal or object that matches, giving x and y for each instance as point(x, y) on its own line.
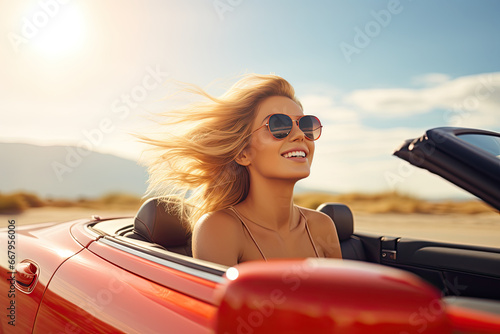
point(157, 223)
point(351, 246)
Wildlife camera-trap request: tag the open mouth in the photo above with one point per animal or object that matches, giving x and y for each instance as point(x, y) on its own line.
point(294, 154)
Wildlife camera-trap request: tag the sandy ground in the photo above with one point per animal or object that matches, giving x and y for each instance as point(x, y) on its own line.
point(481, 230)
point(58, 215)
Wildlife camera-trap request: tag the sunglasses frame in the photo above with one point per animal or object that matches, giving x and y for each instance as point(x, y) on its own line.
point(296, 121)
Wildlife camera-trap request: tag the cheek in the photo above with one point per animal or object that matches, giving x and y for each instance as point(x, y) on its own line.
point(262, 145)
point(311, 153)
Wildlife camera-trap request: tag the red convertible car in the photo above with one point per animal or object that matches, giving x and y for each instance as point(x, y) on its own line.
point(137, 275)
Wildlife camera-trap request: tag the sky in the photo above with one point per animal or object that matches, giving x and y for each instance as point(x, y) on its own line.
point(89, 73)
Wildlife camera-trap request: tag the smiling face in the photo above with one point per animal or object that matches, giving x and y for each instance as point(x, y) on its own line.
point(287, 158)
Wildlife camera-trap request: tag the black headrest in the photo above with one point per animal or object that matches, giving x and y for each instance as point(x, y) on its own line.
point(157, 222)
point(341, 216)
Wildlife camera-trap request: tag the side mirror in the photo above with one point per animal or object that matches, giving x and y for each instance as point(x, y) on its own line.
point(327, 296)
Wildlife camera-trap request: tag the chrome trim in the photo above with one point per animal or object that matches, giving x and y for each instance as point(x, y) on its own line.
point(89, 229)
point(164, 262)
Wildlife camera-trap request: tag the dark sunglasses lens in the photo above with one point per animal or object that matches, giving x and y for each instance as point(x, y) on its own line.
point(311, 126)
point(280, 125)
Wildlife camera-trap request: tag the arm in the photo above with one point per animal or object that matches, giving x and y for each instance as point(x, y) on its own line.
point(216, 238)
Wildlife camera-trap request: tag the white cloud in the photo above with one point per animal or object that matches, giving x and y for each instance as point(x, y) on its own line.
point(472, 101)
point(430, 79)
point(324, 107)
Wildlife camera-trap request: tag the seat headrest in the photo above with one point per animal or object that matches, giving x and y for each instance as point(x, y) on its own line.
point(156, 222)
point(341, 216)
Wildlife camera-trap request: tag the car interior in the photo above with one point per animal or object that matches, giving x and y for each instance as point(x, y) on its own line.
point(465, 275)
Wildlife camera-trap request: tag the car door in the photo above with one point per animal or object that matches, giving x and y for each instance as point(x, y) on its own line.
point(456, 270)
point(37, 252)
point(114, 286)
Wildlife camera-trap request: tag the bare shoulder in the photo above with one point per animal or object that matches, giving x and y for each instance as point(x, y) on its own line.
point(219, 221)
point(324, 232)
point(318, 220)
point(217, 238)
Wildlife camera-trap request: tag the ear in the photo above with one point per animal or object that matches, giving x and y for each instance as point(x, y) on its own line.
point(243, 158)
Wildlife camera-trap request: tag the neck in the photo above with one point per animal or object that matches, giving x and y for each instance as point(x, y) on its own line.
point(270, 203)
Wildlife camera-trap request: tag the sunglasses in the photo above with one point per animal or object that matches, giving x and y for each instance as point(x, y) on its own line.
point(280, 126)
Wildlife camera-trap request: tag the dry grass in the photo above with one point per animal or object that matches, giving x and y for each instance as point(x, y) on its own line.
point(18, 202)
point(392, 202)
point(12, 203)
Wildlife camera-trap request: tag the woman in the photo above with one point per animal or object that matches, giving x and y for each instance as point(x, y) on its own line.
point(234, 161)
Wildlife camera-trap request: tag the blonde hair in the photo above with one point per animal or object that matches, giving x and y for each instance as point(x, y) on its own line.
point(195, 163)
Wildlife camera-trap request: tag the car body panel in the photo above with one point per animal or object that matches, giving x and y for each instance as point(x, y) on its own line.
point(197, 284)
point(83, 234)
point(45, 245)
point(464, 320)
point(91, 295)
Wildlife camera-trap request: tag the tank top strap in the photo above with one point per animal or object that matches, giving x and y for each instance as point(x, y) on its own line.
point(309, 232)
point(248, 230)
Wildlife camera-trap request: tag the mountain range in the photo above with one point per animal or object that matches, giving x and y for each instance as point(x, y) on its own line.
point(67, 172)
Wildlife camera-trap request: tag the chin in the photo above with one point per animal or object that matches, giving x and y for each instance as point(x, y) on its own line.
point(300, 175)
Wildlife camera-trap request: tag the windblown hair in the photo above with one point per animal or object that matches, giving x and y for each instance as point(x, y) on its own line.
point(194, 162)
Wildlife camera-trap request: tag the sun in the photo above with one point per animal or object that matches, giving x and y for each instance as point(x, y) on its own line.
point(63, 35)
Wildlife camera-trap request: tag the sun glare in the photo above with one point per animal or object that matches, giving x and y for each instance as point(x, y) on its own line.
point(63, 35)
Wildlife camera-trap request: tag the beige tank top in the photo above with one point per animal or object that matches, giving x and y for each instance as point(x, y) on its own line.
point(303, 219)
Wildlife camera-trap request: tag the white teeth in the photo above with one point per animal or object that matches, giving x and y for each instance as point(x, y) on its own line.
point(297, 154)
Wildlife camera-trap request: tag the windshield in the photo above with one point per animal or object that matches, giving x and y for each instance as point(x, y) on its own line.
point(490, 144)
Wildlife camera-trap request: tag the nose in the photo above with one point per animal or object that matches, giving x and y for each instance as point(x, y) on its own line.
point(296, 133)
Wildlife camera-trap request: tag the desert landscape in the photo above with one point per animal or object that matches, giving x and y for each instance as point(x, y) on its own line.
point(389, 214)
